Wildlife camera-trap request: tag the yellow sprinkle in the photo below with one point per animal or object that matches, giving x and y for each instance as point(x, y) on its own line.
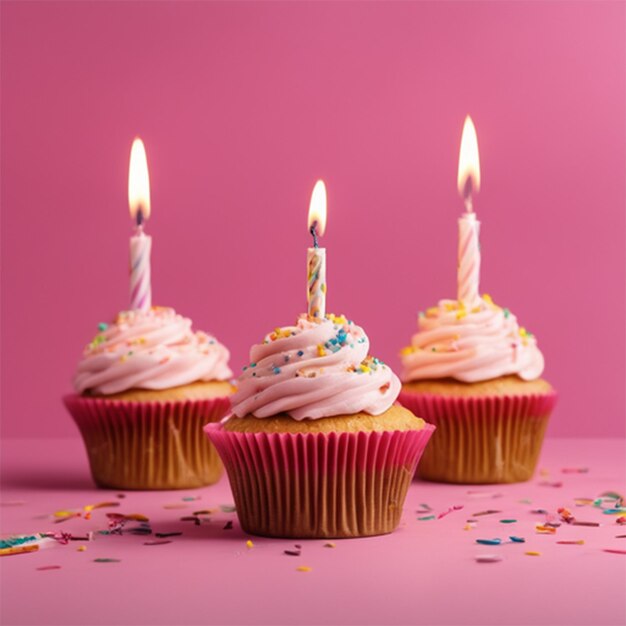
point(467, 527)
point(63, 513)
point(249, 544)
point(461, 314)
point(407, 350)
point(487, 298)
point(522, 332)
point(330, 544)
point(432, 312)
point(304, 568)
point(123, 358)
point(365, 369)
point(476, 309)
point(320, 350)
point(323, 287)
point(81, 548)
point(450, 306)
point(532, 553)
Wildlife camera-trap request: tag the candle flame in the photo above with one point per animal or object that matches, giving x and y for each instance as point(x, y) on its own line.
point(468, 180)
point(317, 208)
point(138, 181)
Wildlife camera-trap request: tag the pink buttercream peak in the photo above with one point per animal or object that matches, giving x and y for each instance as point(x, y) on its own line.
point(316, 368)
point(155, 349)
point(470, 345)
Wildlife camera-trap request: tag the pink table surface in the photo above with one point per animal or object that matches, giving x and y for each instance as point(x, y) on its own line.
point(425, 573)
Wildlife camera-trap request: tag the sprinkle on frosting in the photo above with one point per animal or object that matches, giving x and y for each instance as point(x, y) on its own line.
point(156, 349)
point(316, 368)
point(470, 345)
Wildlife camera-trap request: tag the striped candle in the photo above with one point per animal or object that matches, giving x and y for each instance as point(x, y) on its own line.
point(316, 280)
point(316, 256)
point(140, 243)
point(468, 275)
point(140, 288)
point(468, 183)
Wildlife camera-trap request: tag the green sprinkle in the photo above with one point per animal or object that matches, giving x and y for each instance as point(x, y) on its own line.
point(228, 508)
point(506, 312)
point(102, 326)
point(508, 521)
point(425, 519)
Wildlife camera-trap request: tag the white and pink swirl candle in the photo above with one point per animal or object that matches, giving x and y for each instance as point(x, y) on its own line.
point(316, 256)
point(140, 243)
point(468, 273)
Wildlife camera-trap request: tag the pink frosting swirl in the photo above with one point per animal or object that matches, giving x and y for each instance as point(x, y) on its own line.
point(156, 349)
point(317, 368)
point(470, 345)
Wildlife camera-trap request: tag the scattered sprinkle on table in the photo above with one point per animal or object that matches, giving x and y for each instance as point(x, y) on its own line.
point(106, 560)
point(249, 544)
point(545, 530)
point(517, 539)
point(227, 508)
point(162, 535)
point(487, 512)
point(330, 544)
point(157, 543)
point(489, 542)
point(228, 525)
point(578, 542)
point(292, 552)
point(508, 521)
point(614, 551)
point(425, 519)
point(81, 549)
point(488, 558)
point(18, 550)
point(45, 568)
point(304, 568)
point(532, 553)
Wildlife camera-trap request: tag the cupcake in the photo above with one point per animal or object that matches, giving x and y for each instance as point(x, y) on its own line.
point(146, 386)
point(315, 446)
point(476, 375)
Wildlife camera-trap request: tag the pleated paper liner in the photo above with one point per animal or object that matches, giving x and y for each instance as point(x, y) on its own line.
point(149, 445)
point(319, 485)
point(490, 439)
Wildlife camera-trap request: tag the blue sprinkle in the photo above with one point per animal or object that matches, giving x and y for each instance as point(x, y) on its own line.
point(16, 541)
point(252, 364)
point(517, 539)
point(489, 542)
point(277, 370)
point(300, 353)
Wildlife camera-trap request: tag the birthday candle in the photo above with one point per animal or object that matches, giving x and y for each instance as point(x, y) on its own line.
point(316, 256)
point(468, 181)
point(140, 243)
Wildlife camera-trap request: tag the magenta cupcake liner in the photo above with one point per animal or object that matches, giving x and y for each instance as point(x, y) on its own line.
point(481, 439)
point(149, 445)
point(319, 485)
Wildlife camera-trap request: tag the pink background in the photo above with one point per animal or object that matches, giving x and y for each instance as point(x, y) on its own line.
point(243, 105)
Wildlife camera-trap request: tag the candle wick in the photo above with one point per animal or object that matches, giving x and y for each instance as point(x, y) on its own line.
point(139, 220)
point(468, 187)
point(314, 234)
